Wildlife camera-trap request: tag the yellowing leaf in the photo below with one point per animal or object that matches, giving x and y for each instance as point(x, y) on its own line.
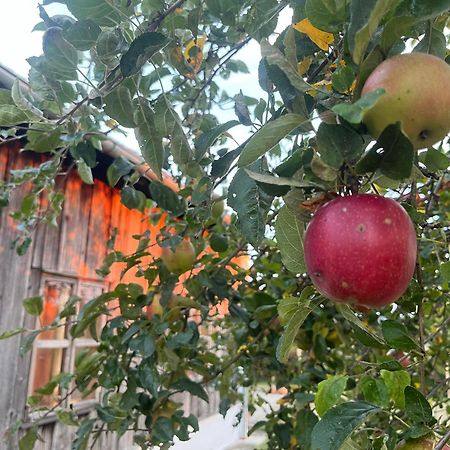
point(304, 65)
point(321, 84)
point(321, 38)
point(193, 52)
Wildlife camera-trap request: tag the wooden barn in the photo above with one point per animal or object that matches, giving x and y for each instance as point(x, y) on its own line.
point(62, 261)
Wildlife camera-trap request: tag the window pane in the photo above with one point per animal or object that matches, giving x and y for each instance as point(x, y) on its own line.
point(55, 296)
point(47, 363)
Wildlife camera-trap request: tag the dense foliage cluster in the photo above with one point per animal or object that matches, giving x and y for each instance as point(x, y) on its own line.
point(155, 67)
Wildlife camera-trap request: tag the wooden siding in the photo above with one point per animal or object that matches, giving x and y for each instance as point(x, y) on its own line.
point(74, 249)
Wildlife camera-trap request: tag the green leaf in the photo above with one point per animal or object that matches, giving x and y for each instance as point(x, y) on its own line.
point(397, 336)
point(207, 139)
point(338, 423)
point(365, 335)
point(374, 391)
point(264, 178)
point(342, 79)
point(288, 306)
point(82, 434)
point(83, 34)
point(337, 144)
point(241, 109)
point(394, 29)
point(425, 10)
point(86, 151)
point(11, 333)
point(27, 342)
point(304, 424)
point(327, 15)
point(396, 383)
point(293, 312)
point(267, 137)
point(365, 16)
point(417, 408)
point(289, 235)
point(22, 100)
point(132, 198)
point(119, 168)
point(444, 269)
point(11, 115)
point(329, 392)
point(354, 112)
point(251, 203)
point(166, 199)
point(60, 54)
point(99, 11)
point(28, 441)
point(275, 57)
point(435, 160)
point(5, 97)
point(391, 365)
point(33, 305)
point(43, 138)
point(109, 44)
point(144, 344)
point(149, 138)
point(434, 43)
point(185, 384)
point(140, 51)
point(119, 106)
point(169, 124)
point(392, 155)
point(85, 172)
point(162, 430)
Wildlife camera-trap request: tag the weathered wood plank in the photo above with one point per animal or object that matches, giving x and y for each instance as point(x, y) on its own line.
point(99, 227)
point(46, 254)
point(14, 286)
point(74, 226)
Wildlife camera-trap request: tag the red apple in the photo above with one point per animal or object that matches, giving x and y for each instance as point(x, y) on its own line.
point(361, 249)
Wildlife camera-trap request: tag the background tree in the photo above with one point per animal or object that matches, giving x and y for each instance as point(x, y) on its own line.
point(155, 67)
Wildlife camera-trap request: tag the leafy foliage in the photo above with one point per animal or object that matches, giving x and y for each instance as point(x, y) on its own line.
point(156, 69)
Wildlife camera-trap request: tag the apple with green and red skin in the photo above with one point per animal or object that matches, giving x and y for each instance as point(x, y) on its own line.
point(427, 443)
point(180, 259)
point(361, 249)
point(417, 94)
point(155, 307)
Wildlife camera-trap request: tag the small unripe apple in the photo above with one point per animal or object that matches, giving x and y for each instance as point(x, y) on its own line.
point(361, 249)
point(417, 444)
point(217, 208)
point(181, 259)
point(155, 307)
point(417, 94)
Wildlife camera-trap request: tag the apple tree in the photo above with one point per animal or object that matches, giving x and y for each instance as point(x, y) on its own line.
point(359, 372)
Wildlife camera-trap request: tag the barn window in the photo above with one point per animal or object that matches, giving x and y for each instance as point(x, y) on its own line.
point(54, 350)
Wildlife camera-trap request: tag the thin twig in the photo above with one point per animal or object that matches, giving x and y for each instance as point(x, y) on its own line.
point(441, 444)
point(225, 59)
point(72, 111)
point(157, 22)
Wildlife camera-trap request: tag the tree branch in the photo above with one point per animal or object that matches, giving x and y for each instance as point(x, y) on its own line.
point(157, 22)
point(441, 444)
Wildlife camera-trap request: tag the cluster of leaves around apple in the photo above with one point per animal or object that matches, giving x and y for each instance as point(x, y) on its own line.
point(273, 311)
